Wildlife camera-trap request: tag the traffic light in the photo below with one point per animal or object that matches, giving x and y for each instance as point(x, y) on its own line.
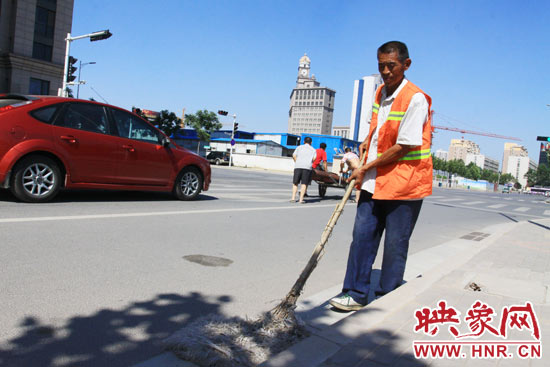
point(222, 112)
point(543, 138)
point(71, 69)
point(235, 127)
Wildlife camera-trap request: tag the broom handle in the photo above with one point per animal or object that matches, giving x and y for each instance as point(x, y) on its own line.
point(292, 296)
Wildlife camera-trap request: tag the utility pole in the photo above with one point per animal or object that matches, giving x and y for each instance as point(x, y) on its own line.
point(80, 65)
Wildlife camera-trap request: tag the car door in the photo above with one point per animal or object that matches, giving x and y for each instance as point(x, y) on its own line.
point(143, 160)
point(81, 135)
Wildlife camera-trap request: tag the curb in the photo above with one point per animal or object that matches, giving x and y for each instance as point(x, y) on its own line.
point(331, 330)
point(319, 347)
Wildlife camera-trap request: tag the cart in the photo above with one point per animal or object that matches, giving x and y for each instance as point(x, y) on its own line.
point(327, 179)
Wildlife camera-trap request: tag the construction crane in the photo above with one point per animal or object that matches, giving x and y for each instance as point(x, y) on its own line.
point(472, 132)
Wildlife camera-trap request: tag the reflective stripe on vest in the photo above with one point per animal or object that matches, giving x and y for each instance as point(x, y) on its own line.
point(396, 115)
point(414, 155)
point(393, 115)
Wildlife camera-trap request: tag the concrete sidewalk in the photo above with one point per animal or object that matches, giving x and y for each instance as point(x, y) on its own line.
point(502, 265)
point(510, 264)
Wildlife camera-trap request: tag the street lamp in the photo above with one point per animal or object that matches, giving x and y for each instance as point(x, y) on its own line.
point(96, 36)
point(80, 65)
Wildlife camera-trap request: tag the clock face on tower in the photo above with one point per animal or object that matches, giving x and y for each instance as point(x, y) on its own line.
point(303, 72)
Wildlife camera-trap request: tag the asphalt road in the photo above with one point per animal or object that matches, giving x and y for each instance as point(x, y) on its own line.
point(97, 278)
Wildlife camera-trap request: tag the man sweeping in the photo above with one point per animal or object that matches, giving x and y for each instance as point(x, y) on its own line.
point(396, 177)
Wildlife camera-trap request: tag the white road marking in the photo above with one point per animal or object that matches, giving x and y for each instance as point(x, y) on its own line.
point(496, 206)
point(455, 199)
point(484, 209)
point(474, 203)
point(522, 209)
point(267, 191)
point(153, 214)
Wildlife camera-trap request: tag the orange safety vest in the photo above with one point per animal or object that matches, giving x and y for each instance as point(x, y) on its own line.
point(411, 176)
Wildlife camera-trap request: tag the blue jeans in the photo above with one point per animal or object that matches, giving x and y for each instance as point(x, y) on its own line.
point(397, 218)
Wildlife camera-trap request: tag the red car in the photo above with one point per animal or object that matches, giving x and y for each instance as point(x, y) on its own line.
point(49, 143)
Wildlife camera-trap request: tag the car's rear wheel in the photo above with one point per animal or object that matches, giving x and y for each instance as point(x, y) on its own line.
point(188, 184)
point(218, 161)
point(36, 179)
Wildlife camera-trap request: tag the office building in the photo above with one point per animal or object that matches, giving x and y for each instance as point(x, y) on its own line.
point(441, 154)
point(544, 154)
point(342, 131)
point(32, 45)
point(460, 148)
point(311, 106)
point(364, 91)
point(518, 166)
point(512, 150)
point(482, 162)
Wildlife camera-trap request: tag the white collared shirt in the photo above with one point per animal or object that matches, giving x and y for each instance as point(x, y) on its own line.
point(410, 128)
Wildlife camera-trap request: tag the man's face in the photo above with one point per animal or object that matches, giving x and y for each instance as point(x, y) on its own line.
point(391, 69)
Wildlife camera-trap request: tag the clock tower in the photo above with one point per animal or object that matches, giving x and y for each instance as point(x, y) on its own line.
point(303, 67)
point(311, 105)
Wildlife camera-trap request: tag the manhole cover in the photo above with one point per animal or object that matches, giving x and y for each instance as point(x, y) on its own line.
point(208, 260)
point(475, 236)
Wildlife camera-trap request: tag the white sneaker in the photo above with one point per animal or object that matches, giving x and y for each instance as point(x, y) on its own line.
point(345, 302)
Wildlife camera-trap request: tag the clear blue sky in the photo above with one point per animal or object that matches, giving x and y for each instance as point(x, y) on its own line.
point(485, 63)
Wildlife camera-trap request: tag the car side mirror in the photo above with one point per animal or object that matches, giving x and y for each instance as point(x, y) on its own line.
point(165, 141)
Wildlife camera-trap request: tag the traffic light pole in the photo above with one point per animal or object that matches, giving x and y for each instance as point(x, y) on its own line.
point(63, 91)
point(96, 36)
point(232, 137)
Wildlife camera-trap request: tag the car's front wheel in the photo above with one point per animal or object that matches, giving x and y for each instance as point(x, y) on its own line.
point(218, 161)
point(188, 184)
point(36, 179)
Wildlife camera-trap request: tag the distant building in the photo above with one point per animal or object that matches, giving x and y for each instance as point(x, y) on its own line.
point(518, 166)
point(335, 144)
point(289, 142)
point(441, 154)
point(544, 152)
point(361, 106)
point(512, 150)
point(459, 148)
point(342, 131)
point(247, 146)
point(311, 106)
point(482, 162)
point(32, 45)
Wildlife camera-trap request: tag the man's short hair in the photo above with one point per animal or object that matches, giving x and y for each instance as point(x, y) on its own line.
point(395, 46)
point(323, 146)
point(347, 150)
point(307, 140)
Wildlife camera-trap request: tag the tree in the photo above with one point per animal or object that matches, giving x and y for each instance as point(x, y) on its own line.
point(507, 178)
point(473, 172)
point(205, 123)
point(69, 92)
point(531, 176)
point(168, 122)
point(538, 177)
point(489, 175)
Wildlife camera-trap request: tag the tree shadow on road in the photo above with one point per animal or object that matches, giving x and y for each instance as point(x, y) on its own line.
point(109, 337)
